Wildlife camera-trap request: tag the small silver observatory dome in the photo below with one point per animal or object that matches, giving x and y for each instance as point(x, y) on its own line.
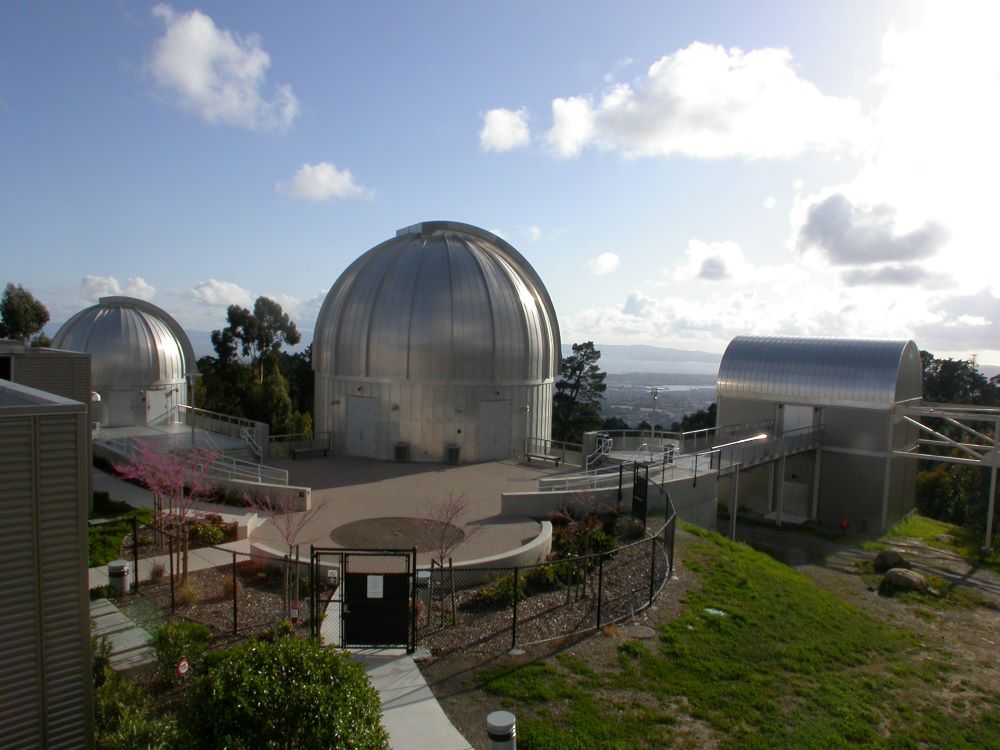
point(429, 326)
point(140, 356)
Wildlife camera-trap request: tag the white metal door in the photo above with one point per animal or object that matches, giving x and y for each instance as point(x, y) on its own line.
point(156, 404)
point(494, 430)
point(121, 412)
point(361, 426)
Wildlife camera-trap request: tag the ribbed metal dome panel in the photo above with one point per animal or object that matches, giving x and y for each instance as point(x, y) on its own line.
point(132, 343)
point(441, 301)
point(820, 371)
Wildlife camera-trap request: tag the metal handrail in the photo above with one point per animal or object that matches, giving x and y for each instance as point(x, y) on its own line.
point(604, 445)
point(246, 434)
point(215, 415)
point(223, 467)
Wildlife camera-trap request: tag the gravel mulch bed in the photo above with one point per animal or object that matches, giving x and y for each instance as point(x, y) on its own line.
point(625, 586)
point(207, 597)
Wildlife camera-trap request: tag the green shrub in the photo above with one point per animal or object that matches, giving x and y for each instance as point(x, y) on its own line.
point(176, 640)
point(542, 578)
point(287, 694)
point(579, 540)
point(103, 592)
point(207, 533)
point(497, 594)
point(121, 709)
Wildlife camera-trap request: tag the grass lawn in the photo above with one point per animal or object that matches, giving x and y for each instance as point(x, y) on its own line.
point(963, 541)
point(104, 540)
point(761, 657)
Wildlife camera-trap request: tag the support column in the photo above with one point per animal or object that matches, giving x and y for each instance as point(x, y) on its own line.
point(988, 544)
point(733, 503)
point(781, 486)
point(770, 486)
point(816, 470)
point(887, 476)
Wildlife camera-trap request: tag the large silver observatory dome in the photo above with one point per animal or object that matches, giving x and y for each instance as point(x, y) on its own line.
point(441, 301)
point(429, 325)
point(139, 357)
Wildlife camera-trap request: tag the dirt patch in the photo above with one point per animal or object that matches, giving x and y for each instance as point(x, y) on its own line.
point(959, 629)
point(425, 534)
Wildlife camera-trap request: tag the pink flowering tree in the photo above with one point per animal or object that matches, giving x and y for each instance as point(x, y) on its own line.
point(289, 519)
point(178, 479)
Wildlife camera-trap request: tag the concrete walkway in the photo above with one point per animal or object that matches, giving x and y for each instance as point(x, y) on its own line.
point(130, 649)
point(410, 712)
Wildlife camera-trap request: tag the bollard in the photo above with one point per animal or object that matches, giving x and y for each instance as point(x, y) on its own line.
point(118, 576)
point(500, 731)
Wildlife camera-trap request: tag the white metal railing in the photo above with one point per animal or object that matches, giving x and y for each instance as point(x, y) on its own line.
point(223, 467)
point(604, 445)
point(569, 454)
point(213, 421)
point(605, 477)
point(751, 453)
point(246, 434)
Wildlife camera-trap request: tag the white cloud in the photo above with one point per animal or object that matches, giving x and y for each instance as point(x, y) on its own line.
point(849, 234)
point(933, 159)
point(320, 182)
point(218, 74)
point(533, 233)
point(140, 288)
point(95, 287)
point(894, 275)
point(798, 184)
point(573, 125)
point(604, 263)
point(713, 261)
point(705, 101)
point(220, 293)
point(770, 202)
point(504, 130)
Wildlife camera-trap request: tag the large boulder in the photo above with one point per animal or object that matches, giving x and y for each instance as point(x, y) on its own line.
point(890, 558)
point(897, 580)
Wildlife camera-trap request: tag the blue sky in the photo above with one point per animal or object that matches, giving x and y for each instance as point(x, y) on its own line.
point(678, 173)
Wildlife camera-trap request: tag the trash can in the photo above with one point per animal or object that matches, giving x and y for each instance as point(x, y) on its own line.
point(118, 576)
point(453, 453)
point(401, 451)
point(501, 730)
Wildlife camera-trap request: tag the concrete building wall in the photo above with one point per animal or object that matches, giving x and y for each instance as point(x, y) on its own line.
point(46, 693)
point(429, 416)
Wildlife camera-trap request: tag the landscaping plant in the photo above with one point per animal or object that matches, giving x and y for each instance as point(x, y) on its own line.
point(287, 694)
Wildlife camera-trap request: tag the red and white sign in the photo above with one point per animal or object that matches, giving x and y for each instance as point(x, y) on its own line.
point(183, 667)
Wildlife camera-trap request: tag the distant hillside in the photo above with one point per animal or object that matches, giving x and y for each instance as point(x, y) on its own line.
point(640, 358)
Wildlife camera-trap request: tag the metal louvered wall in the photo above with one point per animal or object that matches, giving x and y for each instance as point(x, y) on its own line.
point(45, 696)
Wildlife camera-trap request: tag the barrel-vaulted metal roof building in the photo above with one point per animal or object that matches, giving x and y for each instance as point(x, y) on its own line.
point(139, 354)
point(821, 371)
point(840, 391)
point(443, 336)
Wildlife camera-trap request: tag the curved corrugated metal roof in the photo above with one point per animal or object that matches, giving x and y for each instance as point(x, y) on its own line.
point(820, 371)
point(440, 301)
point(132, 343)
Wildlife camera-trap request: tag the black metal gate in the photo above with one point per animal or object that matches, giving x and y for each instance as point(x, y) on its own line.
point(363, 598)
point(640, 491)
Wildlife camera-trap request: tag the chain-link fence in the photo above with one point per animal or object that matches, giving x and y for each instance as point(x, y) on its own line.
point(172, 571)
point(495, 609)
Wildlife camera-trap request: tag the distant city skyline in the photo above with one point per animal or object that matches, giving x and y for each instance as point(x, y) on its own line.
point(678, 173)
